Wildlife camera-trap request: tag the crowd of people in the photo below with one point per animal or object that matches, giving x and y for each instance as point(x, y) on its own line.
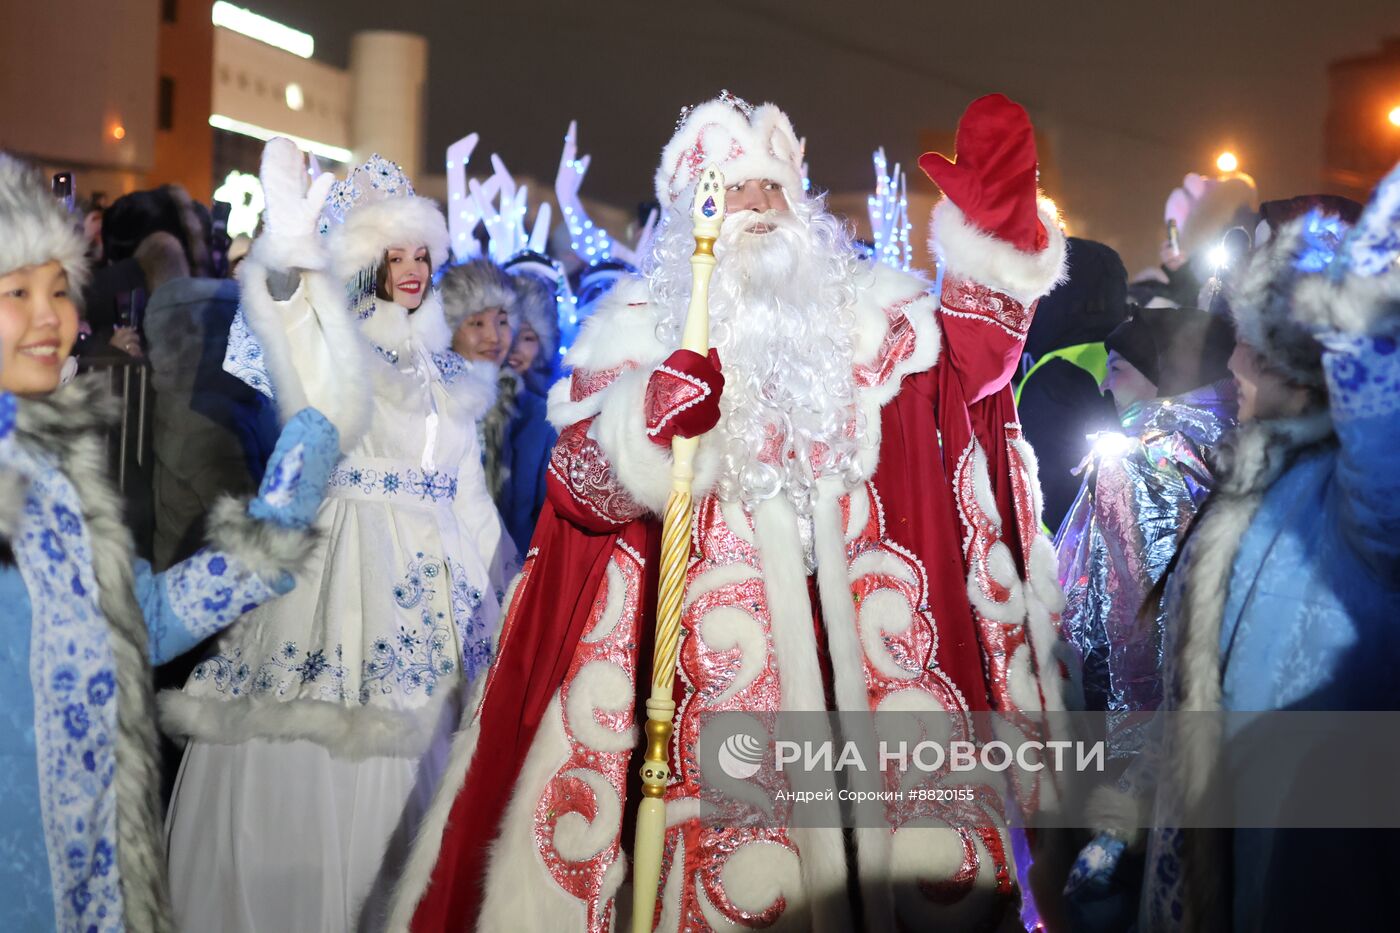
point(372, 650)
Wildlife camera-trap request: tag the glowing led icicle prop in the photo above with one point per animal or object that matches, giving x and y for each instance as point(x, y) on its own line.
point(707, 214)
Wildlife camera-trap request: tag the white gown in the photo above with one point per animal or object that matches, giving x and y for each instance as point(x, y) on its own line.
point(319, 723)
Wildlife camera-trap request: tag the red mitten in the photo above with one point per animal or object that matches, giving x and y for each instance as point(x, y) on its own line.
point(992, 178)
point(683, 396)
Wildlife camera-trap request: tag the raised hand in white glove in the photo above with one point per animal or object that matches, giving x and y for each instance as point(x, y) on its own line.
point(294, 204)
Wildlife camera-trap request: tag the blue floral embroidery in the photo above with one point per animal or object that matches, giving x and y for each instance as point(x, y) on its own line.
point(280, 674)
point(207, 592)
point(244, 357)
point(1363, 375)
point(450, 366)
point(472, 630)
point(425, 485)
point(101, 688)
point(418, 655)
point(72, 670)
point(412, 659)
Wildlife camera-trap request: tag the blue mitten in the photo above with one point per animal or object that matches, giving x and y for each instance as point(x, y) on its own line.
point(298, 471)
point(1101, 894)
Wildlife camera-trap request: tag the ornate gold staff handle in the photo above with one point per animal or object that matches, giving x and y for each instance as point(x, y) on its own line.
point(707, 214)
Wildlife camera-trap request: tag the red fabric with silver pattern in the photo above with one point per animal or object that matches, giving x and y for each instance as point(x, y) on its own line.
point(582, 485)
point(611, 640)
point(896, 347)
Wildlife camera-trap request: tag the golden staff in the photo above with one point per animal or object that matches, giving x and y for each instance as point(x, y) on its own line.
point(707, 213)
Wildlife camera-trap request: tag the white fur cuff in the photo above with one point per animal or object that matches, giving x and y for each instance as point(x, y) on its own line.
point(267, 549)
point(284, 253)
point(642, 466)
point(971, 253)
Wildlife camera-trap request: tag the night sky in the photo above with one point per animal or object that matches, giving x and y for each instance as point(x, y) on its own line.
point(1129, 95)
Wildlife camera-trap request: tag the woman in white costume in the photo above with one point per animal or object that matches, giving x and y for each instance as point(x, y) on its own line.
point(317, 723)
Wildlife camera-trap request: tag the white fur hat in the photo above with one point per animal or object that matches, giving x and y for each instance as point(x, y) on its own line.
point(34, 227)
point(744, 142)
point(375, 208)
point(472, 287)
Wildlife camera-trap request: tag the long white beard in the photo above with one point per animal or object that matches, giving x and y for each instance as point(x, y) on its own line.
point(782, 321)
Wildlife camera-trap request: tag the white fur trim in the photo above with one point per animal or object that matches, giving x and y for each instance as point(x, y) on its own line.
point(427, 844)
point(36, 229)
point(519, 893)
point(970, 253)
point(13, 486)
point(1356, 305)
point(795, 657)
point(642, 466)
point(1114, 810)
point(304, 252)
point(366, 732)
point(429, 326)
point(407, 222)
point(266, 548)
point(314, 352)
point(621, 329)
point(717, 133)
point(475, 389)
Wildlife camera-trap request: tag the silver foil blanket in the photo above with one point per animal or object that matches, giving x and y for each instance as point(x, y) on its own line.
point(1140, 492)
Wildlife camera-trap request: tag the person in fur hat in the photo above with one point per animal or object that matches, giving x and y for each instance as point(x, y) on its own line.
point(509, 321)
point(864, 441)
point(316, 726)
point(84, 620)
point(1286, 590)
point(532, 365)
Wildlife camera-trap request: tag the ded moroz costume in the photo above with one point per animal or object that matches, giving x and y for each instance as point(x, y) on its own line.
point(864, 538)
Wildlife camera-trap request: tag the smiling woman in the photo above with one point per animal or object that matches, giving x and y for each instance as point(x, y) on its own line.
point(38, 324)
point(343, 697)
point(84, 619)
point(404, 276)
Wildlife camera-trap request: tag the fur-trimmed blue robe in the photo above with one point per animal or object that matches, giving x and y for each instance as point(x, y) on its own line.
point(81, 623)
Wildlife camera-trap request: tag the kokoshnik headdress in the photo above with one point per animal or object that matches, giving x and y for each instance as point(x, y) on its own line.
point(374, 208)
point(370, 210)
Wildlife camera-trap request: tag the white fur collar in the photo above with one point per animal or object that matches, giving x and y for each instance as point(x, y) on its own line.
point(393, 327)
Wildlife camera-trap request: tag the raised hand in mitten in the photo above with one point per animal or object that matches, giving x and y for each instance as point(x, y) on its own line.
point(992, 178)
point(298, 471)
point(682, 397)
point(294, 204)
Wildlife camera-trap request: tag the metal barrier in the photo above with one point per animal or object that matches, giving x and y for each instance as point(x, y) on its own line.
point(130, 444)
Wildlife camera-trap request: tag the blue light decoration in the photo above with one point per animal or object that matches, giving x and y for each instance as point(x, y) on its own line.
point(604, 258)
point(889, 214)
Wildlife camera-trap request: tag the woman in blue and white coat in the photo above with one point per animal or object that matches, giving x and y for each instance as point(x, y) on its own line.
point(1287, 591)
point(319, 725)
point(81, 619)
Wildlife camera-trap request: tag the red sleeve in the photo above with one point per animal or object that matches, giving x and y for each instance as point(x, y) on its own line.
point(984, 332)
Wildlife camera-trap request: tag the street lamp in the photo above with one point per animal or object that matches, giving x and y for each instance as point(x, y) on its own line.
point(1227, 162)
point(1394, 117)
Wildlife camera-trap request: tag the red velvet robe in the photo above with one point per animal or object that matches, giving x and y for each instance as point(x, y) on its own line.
point(952, 506)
